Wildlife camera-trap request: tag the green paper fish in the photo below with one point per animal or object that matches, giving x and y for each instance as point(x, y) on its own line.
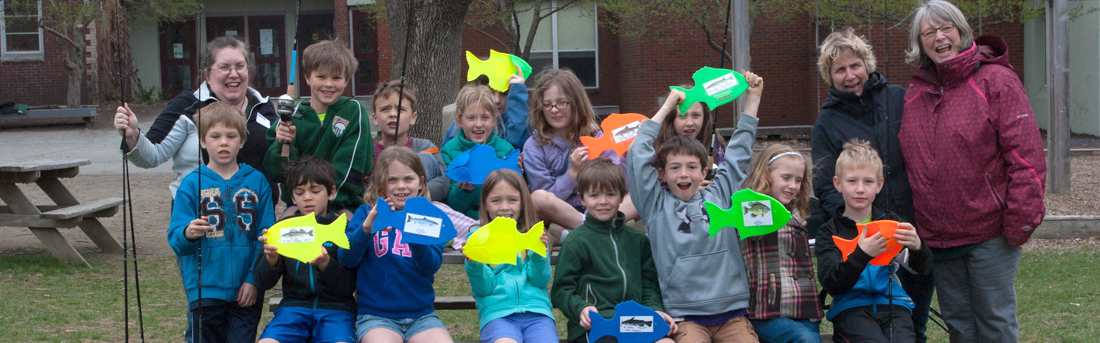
point(752, 213)
point(498, 68)
point(714, 87)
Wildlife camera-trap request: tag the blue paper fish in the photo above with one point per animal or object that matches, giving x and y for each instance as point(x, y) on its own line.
point(752, 213)
point(632, 323)
point(474, 165)
point(421, 222)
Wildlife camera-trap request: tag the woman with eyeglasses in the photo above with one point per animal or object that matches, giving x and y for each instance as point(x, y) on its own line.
point(175, 135)
point(976, 167)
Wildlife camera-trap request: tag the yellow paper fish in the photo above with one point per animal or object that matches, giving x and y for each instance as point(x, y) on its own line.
point(499, 242)
point(498, 68)
point(301, 237)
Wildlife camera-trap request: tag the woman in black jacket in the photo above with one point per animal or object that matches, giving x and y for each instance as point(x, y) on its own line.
point(861, 104)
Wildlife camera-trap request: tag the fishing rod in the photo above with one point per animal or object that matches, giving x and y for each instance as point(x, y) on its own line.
point(404, 66)
point(127, 196)
point(284, 105)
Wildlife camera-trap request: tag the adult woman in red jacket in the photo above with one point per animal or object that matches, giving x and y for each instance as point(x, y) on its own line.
point(976, 166)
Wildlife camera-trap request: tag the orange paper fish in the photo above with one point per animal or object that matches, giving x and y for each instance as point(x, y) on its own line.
point(619, 130)
point(886, 227)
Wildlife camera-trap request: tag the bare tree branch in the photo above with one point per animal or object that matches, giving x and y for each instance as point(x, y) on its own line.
point(487, 34)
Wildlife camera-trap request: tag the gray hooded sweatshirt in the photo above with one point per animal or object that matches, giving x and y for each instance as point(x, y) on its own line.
point(699, 274)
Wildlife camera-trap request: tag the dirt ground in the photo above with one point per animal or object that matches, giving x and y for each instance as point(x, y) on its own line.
point(152, 202)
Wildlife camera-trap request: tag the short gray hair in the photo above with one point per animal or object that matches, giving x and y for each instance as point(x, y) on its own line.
point(942, 11)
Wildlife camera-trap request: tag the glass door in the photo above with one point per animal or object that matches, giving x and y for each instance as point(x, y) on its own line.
point(268, 49)
point(177, 56)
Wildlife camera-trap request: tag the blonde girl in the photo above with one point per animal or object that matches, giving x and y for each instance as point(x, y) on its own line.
point(476, 117)
point(784, 302)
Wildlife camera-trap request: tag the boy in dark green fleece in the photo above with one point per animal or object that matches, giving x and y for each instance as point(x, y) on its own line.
point(333, 127)
point(604, 262)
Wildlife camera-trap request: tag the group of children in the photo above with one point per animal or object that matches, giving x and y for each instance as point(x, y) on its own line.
point(708, 288)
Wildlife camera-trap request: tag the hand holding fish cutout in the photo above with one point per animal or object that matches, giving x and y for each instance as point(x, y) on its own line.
point(619, 130)
point(887, 229)
point(474, 165)
point(752, 213)
point(499, 242)
point(498, 68)
point(632, 323)
point(421, 222)
point(714, 87)
point(301, 238)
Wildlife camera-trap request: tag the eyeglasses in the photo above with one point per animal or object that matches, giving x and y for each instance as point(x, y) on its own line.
point(946, 29)
point(561, 106)
point(225, 69)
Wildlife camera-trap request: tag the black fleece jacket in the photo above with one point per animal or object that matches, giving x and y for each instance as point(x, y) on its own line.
point(873, 116)
point(304, 285)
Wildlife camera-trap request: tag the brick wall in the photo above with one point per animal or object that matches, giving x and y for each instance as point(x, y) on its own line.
point(36, 82)
point(634, 72)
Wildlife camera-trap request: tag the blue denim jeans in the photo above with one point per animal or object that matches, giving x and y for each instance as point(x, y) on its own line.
point(786, 330)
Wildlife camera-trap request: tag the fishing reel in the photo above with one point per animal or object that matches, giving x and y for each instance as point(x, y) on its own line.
point(287, 108)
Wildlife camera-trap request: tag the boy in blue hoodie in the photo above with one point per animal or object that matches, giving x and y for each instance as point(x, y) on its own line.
point(869, 304)
point(317, 300)
point(219, 210)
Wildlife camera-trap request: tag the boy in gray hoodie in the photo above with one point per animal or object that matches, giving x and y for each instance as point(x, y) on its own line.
point(702, 278)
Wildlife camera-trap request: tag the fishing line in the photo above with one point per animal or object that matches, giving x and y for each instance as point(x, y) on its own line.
point(127, 195)
point(404, 66)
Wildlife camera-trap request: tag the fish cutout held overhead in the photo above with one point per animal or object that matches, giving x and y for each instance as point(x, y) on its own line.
point(421, 222)
point(474, 165)
point(752, 213)
point(632, 323)
point(619, 130)
point(886, 227)
point(499, 242)
point(714, 87)
point(301, 238)
point(498, 68)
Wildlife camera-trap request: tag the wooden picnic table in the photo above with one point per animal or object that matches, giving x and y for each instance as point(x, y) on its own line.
point(44, 220)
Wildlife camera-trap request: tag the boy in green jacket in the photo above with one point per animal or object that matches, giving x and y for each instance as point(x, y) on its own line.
point(333, 127)
point(604, 262)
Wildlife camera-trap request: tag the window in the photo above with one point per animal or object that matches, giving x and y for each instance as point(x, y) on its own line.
point(19, 31)
point(566, 39)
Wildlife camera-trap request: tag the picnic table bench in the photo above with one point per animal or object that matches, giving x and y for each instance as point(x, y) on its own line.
point(44, 220)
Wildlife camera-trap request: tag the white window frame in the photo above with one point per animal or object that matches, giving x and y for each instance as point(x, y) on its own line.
point(554, 41)
point(20, 55)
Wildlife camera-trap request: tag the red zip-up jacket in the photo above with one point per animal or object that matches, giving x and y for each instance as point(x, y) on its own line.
point(973, 151)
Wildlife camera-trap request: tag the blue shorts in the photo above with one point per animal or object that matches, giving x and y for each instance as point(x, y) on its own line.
point(406, 327)
point(297, 324)
point(522, 327)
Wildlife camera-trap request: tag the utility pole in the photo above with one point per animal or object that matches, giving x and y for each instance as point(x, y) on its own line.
point(1058, 132)
point(741, 32)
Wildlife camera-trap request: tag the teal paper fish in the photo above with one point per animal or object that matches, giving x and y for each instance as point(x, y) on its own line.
point(752, 213)
point(714, 87)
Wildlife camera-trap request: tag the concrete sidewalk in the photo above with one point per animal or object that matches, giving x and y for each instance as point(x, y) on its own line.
point(101, 146)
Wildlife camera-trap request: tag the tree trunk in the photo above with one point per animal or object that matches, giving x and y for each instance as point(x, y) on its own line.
point(434, 58)
point(74, 62)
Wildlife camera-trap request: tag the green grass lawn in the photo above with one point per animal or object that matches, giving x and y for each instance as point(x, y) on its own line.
point(48, 301)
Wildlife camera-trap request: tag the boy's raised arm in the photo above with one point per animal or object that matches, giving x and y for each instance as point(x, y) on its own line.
point(645, 188)
point(732, 172)
point(515, 115)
